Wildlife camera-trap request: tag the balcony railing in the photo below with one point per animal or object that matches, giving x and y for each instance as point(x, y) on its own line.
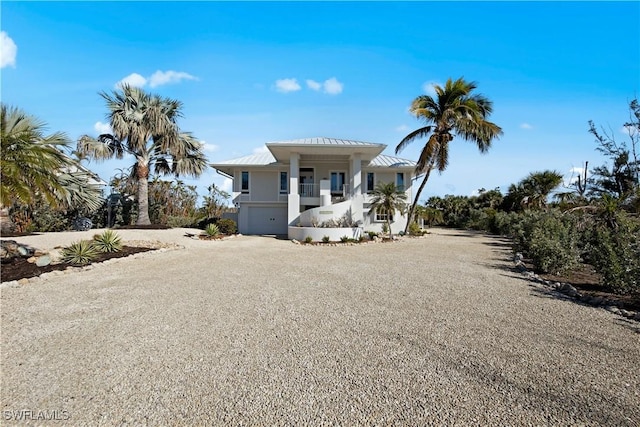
point(309, 190)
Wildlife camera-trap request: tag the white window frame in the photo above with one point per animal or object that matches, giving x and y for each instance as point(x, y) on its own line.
point(402, 187)
point(243, 190)
point(344, 180)
point(286, 182)
point(382, 217)
point(373, 185)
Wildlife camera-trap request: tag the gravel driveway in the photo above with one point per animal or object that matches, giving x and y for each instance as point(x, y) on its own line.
point(259, 331)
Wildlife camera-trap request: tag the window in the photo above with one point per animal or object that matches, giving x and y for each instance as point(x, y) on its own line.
point(370, 182)
point(382, 216)
point(400, 181)
point(284, 183)
point(337, 181)
point(245, 182)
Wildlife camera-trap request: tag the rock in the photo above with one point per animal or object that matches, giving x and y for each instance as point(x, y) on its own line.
point(23, 282)
point(521, 267)
point(31, 260)
point(43, 260)
point(625, 313)
point(567, 289)
point(597, 300)
point(517, 257)
point(613, 309)
point(295, 242)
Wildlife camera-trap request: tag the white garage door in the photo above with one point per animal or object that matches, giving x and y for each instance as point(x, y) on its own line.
point(267, 220)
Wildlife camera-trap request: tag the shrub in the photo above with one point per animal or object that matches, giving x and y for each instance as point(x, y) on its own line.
point(212, 230)
point(385, 228)
point(325, 239)
point(344, 239)
point(227, 226)
point(308, 239)
point(415, 230)
point(108, 241)
point(79, 253)
point(615, 253)
point(182, 221)
point(372, 234)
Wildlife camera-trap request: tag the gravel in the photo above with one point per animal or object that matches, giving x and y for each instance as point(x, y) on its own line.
point(258, 331)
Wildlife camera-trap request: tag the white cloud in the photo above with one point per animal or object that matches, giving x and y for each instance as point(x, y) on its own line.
point(102, 128)
point(526, 126)
point(133, 79)
point(332, 86)
point(8, 50)
point(314, 85)
point(227, 185)
point(428, 87)
point(629, 130)
point(209, 147)
point(574, 173)
point(260, 150)
point(287, 85)
point(160, 78)
point(402, 128)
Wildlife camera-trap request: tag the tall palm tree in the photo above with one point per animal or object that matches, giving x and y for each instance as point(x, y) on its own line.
point(146, 127)
point(454, 111)
point(34, 165)
point(387, 198)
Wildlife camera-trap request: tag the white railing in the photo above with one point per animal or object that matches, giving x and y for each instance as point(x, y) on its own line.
point(309, 190)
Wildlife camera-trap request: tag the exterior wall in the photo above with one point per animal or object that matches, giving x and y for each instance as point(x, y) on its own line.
point(334, 234)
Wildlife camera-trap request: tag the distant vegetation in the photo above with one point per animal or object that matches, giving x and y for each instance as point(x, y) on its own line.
point(594, 220)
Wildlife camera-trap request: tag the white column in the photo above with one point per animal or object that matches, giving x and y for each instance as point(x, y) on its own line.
point(293, 207)
point(356, 172)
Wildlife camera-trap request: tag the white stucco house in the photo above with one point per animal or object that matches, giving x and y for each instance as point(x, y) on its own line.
point(314, 187)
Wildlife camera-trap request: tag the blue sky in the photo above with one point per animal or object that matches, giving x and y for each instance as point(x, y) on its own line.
point(254, 72)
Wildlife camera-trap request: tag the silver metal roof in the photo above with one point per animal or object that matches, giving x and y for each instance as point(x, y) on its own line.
point(263, 159)
point(325, 141)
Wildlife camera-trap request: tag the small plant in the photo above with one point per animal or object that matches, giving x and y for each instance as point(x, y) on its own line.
point(108, 241)
point(212, 230)
point(344, 239)
point(385, 228)
point(79, 253)
point(308, 239)
point(325, 239)
point(372, 234)
point(415, 230)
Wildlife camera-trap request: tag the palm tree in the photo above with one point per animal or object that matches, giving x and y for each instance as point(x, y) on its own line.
point(533, 191)
point(386, 199)
point(34, 166)
point(455, 111)
point(145, 126)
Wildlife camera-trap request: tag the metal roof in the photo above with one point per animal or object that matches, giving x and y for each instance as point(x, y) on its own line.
point(325, 141)
point(383, 160)
point(263, 159)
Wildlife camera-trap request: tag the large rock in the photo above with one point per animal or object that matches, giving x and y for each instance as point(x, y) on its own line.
point(11, 249)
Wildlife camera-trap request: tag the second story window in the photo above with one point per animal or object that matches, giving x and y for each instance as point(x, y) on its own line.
point(370, 182)
point(284, 183)
point(244, 185)
point(400, 181)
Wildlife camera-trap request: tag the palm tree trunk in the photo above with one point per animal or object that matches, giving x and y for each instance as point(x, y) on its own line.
point(6, 225)
point(415, 201)
point(143, 195)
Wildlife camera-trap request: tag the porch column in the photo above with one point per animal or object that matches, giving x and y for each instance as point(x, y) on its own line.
point(356, 175)
point(293, 201)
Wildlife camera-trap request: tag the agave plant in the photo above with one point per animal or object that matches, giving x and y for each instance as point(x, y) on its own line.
point(108, 241)
point(79, 253)
point(212, 230)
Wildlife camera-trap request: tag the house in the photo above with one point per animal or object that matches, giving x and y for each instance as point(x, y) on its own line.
point(314, 187)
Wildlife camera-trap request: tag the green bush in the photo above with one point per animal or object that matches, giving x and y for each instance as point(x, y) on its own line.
point(372, 234)
point(325, 239)
point(227, 226)
point(308, 239)
point(415, 230)
point(108, 241)
point(182, 221)
point(344, 239)
point(615, 253)
point(79, 253)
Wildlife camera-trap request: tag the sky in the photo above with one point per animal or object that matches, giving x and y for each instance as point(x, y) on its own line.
point(249, 73)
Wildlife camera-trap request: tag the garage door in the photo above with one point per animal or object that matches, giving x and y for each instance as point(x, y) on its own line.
point(267, 220)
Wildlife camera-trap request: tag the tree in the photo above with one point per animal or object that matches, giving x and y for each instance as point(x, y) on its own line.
point(215, 203)
point(34, 166)
point(622, 180)
point(145, 126)
point(454, 112)
point(533, 191)
point(386, 199)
